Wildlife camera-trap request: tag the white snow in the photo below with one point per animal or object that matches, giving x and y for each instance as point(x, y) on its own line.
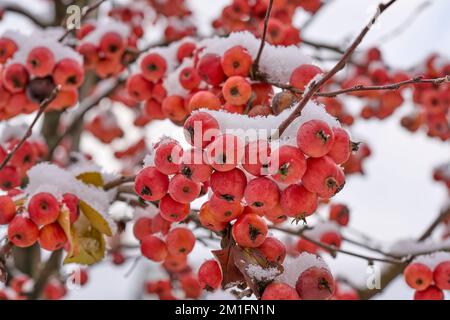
point(322, 227)
point(432, 260)
point(261, 274)
point(407, 247)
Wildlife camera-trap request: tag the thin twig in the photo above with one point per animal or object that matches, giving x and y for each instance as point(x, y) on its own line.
point(255, 67)
point(323, 45)
point(119, 181)
point(43, 106)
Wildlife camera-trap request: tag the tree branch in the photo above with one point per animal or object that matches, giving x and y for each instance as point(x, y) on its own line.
point(255, 67)
point(21, 11)
point(119, 181)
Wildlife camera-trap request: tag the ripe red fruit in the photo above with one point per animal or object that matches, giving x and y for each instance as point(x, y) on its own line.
point(315, 138)
point(341, 149)
point(43, 208)
point(54, 290)
point(224, 210)
point(112, 44)
point(210, 275)
point(256, 157)
point(151, 184)
point(229, 185)
point(189, 78)
point(173, 108)
point(302, 75)
point(297, 202)
point(40, 62)
point(210, 69)
point(22, 232)
point(288, 163)
point(68, 73)
point(153, 67)
point(142, 227)
point(71, 201)
point(304, 245)
point(89, 53)
point(273, 249)
point(204, 99)
point(418, 276)
point(262, 194)
point(15, 78)
point(159, 224)
point(200, 129)
point(9, 178)
point(250, 230)
point(208, 220)
point(191, 287)
point(153, 248)
point(339, 213)
point(279, 291)
point(323, 177)
point(236, 61)
point(7, 209)
point(168, 157)
point(180, 241)
point(430, 293)
point(52, 237)
point(225, 152)
point(183, 189)
point(441, 275)
point(193, 165)
point(185, 50)
point(315, 284)
point(331, 238)
point(153, 110)
point(172, 210)
point(139, 88)
point(237, 90)
point(7, 49)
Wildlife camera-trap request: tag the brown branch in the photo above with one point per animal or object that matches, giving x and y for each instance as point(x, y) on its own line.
point(370, 248)
point(323, 45)
point(315, 86)
point(86, 12)
point(51, 267)
point(119, 181)
point(255, 67)
point(43, 106)
point(5, 251)
point(21, 11)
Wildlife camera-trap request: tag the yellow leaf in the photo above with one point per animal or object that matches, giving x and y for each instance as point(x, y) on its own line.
point(64, 222)
point(95, 218)
point(91, 178)
point(91, 247)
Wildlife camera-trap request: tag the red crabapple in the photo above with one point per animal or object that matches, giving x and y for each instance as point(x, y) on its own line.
point(153, 110)
point(9, 178)
point(279, 291)
point(341, 149)
point(339, 213)
point(159, 224)
point(304, 245)
point(54, 290)
point(274, 215)
point(173, 108)
point(323, 177)
point(153, 67)
point(418, 276)
point(256, 157)
point(185, 50)
point(302, 75)
point(22, 232)
point(189, 78)
point(250, 230)
point(71, 201)
point(52, 237)
point(225, 152)
point(7, 49)
point(297, 202)
point(315, 138)
point(210, 275)
point(151, 184)
point(237, 90)
point(139, 88)
point(229, 185)
point(441, 275)
point(90, 54)
point(224, 210)
point(200, 129)
point(262, 194)
point(315, 284)
point(204, 99)
point(180, 241)
point(168, 157)
point(153, 248)
point(68, 73)
point(175, 263)
point(193, 165)
point(208, 220)
point(112, 44)
point(183, 189)
point(289, 164)
point(7, 209)
point(430, 293)
point(40, 62)
point(15, 78)
point(142, 227)
point(210, 69)
point(43, 208)
point(191, 286)
point(236, 61)
point(172, 210)
point(331, 238)
point(273, 249)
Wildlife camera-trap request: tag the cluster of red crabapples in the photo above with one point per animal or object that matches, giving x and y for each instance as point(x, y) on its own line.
point(38, 220)
point(429, 283)
point(104, 127)
point(23, 86)
point(249, 15)
point(442, 174)
point(29, 153)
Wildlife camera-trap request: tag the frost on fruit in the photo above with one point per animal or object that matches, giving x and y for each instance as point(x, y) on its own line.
point(433, 259)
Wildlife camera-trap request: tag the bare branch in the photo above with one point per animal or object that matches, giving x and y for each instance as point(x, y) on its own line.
point(255, 68)
point(21, 11)
point(119, 181)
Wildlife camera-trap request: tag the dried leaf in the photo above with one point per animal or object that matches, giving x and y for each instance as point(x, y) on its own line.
point(64, 222)
point(91, 178)
point(95, 218)
point(231, 274)
point(91, 247)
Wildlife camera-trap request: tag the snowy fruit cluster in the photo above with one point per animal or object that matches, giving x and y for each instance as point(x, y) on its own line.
point(31, 69)
point(429, 276)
